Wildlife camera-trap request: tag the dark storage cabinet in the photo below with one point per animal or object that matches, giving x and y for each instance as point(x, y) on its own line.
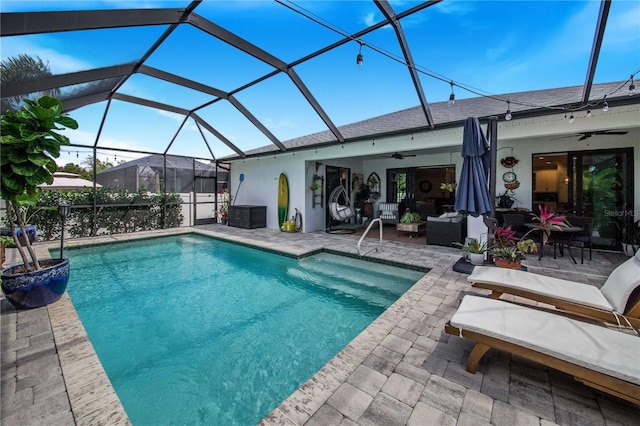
point(248, 217)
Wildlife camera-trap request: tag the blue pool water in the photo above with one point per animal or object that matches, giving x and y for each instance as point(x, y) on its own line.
point(193, 330)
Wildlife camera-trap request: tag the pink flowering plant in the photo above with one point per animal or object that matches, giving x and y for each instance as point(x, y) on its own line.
point(508, 246)
point(549, 220)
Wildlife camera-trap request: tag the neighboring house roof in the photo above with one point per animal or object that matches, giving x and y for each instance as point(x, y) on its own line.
point(157, 160)
point(412, 119)
point(65, 180)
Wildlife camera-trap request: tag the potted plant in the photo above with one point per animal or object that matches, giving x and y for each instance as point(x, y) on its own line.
point(506, 200)
point(314, 186)
point(509, 251)
point(29, 144)
point(410, 217)
point(448, 186)
point(224, 207)
point(474, 249)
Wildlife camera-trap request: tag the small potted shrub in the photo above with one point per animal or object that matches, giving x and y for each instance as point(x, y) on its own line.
point(410, 217)
point(29, 144)
point(474, 249)
point(509, 251)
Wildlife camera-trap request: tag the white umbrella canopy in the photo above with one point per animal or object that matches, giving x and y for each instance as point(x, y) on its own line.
point(65, 180)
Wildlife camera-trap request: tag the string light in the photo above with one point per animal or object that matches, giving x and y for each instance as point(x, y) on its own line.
point(508, 115)
point(360, 58)
point(571, 118)
point(589, 113)
point(605, 106)
point(632, 87)
point(452, 96)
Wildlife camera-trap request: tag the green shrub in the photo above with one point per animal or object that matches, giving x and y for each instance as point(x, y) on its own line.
point(118, 211)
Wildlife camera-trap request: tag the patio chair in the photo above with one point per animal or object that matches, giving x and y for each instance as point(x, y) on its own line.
point(516, 222)
point(582, 239)
point(600, 357)
point(617, 302)
point(389, 213)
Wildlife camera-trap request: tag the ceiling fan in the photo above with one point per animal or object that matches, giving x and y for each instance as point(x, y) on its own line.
point(399, 156)
point(587, 135)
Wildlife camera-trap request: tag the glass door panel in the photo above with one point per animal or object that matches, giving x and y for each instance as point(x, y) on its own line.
point(602, 188)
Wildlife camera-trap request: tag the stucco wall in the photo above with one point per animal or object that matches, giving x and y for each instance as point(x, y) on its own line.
point(526, 136)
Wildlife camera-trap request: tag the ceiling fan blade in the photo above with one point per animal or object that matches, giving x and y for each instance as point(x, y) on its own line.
point(610, 132)
point(565, 137)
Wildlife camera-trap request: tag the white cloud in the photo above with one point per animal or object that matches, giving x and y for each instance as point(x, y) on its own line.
point(58, 63)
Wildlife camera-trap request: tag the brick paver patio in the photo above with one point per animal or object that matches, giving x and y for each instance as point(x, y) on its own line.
point(401, 370)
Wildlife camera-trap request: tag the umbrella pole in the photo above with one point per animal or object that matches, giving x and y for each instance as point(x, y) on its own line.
point(492, 135)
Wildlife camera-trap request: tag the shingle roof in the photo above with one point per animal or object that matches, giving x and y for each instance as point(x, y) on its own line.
point(157, 160)
point(547, 101)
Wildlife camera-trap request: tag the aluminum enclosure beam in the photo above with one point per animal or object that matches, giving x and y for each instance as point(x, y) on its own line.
point(250, 49)
point(603, 15)
point(63, 80)
point(24, 23)
point(315, 105)
point(219, 135)
point(391, 17)
point(256, 122)
point(150, 104)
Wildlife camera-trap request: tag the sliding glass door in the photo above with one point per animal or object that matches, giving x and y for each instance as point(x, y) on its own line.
point(601, 186)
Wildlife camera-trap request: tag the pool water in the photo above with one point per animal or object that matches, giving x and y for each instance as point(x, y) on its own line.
point(192, 330)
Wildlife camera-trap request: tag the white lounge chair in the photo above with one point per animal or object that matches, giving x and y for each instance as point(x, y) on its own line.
point(606, 304)
point(600, 357)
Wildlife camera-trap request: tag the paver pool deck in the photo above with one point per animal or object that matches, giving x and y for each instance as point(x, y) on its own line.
point(402, 369)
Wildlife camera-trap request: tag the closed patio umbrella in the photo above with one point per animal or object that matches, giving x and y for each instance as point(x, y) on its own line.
point(472, 195)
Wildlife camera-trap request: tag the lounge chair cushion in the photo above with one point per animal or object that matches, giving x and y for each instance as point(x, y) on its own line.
point(597, 348)
point(621, 283)
point(569, 291)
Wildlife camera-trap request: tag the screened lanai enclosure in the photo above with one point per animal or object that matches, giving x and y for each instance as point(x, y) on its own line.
point(168, 96)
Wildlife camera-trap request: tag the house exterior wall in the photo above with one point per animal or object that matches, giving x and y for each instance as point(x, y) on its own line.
point(526, 136)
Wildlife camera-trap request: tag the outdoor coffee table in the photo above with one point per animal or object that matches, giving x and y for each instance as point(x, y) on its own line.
point(567, 231)
point(412, 228)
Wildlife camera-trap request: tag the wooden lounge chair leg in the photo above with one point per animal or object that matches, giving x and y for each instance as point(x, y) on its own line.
point(495, 294)
point(476, 355)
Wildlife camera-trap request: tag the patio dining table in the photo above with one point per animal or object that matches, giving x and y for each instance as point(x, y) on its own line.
point(564, 235)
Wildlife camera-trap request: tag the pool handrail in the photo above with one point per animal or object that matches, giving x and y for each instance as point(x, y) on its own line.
point(364, 234)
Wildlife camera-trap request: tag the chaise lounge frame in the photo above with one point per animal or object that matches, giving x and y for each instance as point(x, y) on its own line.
point(617, 302)
point(612, 385)
point(632, 315)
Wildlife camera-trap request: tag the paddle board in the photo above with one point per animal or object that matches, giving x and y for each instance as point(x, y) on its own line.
point(283, 199)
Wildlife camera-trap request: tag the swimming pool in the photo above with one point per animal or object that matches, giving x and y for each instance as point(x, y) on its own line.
point(193, 330)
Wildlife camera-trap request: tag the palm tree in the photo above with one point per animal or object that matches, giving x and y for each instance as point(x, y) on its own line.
point(22, 68)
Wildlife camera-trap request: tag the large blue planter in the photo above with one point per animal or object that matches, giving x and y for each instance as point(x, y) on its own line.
point(37, 288)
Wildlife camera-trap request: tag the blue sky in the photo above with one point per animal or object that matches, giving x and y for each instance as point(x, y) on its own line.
point(493, 47)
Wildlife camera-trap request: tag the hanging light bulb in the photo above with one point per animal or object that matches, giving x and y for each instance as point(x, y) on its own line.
point(632, 87)
point(452, 96)
point(508, 115)
point(589, 113)
point(360, 58)
point(605, 106)
point(571, 118)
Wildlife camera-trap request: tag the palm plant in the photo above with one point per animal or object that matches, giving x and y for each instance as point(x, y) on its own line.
point(23, 68)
